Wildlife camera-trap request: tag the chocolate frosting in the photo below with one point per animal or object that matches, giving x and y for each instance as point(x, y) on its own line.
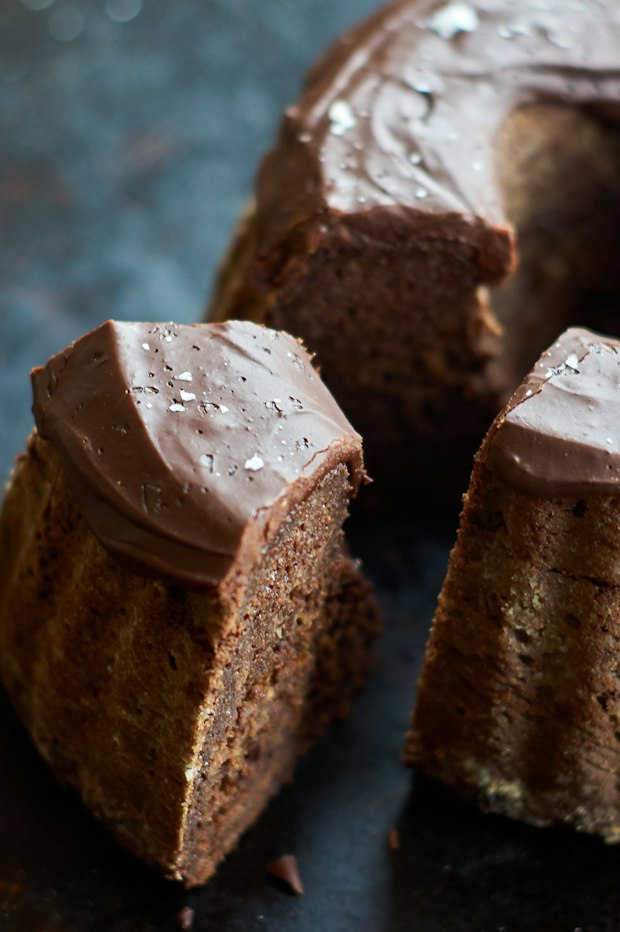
point(394, 133)
point(187, 446)
point(560, 433)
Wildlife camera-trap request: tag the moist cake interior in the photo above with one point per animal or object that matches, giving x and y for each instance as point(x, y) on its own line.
point(250, 679)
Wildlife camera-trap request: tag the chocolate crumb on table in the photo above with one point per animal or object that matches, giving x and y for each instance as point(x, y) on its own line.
point(285, 869)
point(185, 918)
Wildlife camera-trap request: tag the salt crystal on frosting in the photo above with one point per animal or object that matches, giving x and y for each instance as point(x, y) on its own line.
point(449, 21)
point(255, 462)
point(341, 117)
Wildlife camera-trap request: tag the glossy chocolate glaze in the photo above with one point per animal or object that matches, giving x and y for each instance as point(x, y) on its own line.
point(560, 433)
point(394, 133)
point(187, 446)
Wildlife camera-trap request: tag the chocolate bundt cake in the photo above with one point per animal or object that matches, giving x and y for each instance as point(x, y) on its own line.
point(518, 704)
point(432, 146)
point(179, 615)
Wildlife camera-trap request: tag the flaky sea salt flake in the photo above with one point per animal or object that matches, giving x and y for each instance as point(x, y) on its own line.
point(452, 19)
point(254, 463)
point(341, 117)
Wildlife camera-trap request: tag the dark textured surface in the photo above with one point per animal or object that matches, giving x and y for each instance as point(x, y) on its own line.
point(126, 155)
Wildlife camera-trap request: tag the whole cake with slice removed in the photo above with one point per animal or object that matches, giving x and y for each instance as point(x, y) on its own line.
point(518, 705)
point(179, 615)
point(441, 201)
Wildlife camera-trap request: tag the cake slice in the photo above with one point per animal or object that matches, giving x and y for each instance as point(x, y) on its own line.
point(179, 615)
point(518, 705)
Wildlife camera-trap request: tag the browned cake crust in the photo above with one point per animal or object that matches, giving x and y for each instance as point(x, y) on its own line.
point(176, 714)
point(179, 616)
point(463, 211)
point(518, 704)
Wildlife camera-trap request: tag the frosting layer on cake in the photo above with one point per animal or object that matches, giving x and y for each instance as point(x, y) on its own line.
point(560, 433)
point(401, 115)
point(187, 445)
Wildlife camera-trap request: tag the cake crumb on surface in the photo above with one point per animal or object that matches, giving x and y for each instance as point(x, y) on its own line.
point(285, 869)
point(185, 918)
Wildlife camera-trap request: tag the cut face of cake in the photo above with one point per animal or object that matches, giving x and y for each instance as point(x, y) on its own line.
point(518, 706)
point(442, 200)
point(179, 615)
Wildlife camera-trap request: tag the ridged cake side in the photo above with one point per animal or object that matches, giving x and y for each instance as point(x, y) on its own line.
point(179, 615)
point(518, 703)
point(176, 714)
